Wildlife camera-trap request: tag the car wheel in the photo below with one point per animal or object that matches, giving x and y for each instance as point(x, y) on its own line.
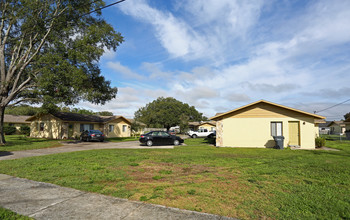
point(194, 136)
point(149, 143)
point(176, 142)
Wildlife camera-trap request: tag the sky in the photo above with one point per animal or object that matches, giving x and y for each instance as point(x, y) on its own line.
point(218, 55)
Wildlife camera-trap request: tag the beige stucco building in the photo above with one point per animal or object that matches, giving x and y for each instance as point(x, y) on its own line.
point(255, 124)
point(65, 125)
point(210, 125)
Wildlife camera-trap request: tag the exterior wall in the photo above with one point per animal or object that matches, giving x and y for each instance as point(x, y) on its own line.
point(52, 128)
point(317, 130)
point(118, 128)
point(76, 128)
point(254, 132)
point(251, 127)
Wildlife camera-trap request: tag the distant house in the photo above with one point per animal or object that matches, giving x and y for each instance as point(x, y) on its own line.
point(255, 124)
point(209, 125)
point(16, 121)
point(337, 127)
point(140, 129)
point(324, 127)
point(64, 125)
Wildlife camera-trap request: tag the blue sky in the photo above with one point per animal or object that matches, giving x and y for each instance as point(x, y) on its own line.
point(218, 55)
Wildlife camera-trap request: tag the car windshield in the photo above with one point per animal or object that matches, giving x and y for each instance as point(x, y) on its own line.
point(95, 132)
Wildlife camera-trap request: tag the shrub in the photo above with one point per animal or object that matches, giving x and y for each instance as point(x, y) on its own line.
point(8, 130)
point(320, 142)
point(24, 129)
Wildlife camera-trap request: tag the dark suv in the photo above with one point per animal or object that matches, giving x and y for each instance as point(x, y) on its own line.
point(92, 135)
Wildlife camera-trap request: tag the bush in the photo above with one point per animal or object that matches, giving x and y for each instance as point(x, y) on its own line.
point(25, 130)
point(8, 130)
point(320, 142)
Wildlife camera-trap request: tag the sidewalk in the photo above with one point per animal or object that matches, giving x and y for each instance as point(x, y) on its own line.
point(47, 201)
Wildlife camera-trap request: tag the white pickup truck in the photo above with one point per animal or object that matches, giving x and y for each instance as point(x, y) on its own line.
point(199, 133)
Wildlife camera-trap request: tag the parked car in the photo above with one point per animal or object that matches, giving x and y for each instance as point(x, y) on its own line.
point(212, 135)
point(160, 138)
point(92, 135)
point(200, 133)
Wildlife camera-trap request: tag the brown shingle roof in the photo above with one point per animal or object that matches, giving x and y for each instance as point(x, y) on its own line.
point(68, 116)
point(16, 119)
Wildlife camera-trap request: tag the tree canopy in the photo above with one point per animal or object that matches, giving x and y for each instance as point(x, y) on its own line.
point(347, 115)
point(168, 112)
point(49, 53)
point(31, 110)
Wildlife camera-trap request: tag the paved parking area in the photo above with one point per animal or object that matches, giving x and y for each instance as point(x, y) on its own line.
point(77, 146)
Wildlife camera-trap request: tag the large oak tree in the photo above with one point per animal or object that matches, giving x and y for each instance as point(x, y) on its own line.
point(49, 53)
point(168, 112)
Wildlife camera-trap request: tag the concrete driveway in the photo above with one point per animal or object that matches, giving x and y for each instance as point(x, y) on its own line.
point(77, 146)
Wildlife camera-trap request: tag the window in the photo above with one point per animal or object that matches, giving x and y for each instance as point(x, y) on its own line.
point(212, 129)
point(86, 127)
point(276, 128)
point(41, 126)
point(111, 128)
point(124, 128)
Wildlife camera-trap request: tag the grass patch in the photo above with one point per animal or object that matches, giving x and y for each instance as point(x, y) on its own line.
point(9, 215)
point(21, 142)
point(122, 139)
point(236, 182)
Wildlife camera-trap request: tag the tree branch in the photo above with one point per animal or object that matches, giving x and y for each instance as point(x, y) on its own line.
point(23, 100)
point(15, 92)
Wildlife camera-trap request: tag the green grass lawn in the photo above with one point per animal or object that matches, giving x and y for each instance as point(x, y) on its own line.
point(236, 182)
point(9, 215)
point(21, 142)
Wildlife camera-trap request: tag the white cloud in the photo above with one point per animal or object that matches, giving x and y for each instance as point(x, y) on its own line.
point(108, 54)
point(175, 35)
point(124, 71)
point(155, 72)
point(250, 53)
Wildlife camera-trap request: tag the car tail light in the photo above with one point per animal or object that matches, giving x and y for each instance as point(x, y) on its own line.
point(102, 135)
point(92, 135)
point(142, 136)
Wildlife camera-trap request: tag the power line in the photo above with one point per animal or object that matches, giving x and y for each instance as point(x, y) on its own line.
point(69, 22)
point(99, 9)
point(331, 106)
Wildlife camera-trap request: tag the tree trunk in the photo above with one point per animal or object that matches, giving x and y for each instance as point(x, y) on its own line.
point(2, 137)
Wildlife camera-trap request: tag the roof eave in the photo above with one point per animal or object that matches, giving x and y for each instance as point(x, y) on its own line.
point(220, 116)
